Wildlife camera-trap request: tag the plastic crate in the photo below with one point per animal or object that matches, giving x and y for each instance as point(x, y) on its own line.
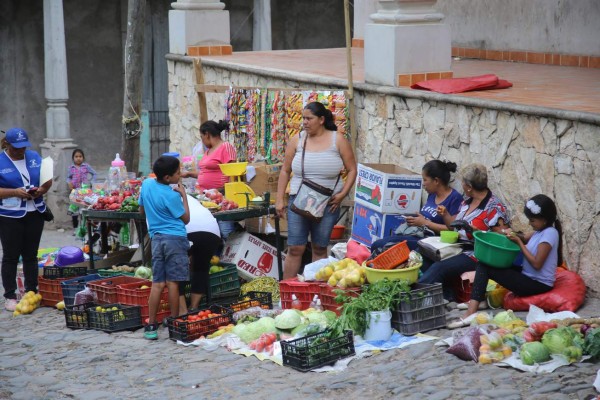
point(421, 295)
point(223, 281)
point(254, 299)
point(76, 316)
point(412, 328)
point(391, 258)
point(107, 273)
point(132, 295)
point(124, 318)
point(225, 299)
point(420, 314)
point(314, 351)
point(64, 272)
point(186, 329)
point(106, 289)
point(50, 290)
point(328, 295)
point(71, 287)
point(304, 291)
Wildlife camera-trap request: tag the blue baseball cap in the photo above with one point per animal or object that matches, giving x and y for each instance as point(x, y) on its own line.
point(17, 137)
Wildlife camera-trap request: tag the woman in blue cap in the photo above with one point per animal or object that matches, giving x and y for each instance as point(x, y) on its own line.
point(21, 212)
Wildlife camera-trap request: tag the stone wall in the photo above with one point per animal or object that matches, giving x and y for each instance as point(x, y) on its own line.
point(527, 150)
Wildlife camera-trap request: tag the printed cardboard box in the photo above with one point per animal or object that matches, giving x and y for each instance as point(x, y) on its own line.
point(388, 189)
point(369, 225)
point(266, 178)
point(265, 224)
point(253, 257)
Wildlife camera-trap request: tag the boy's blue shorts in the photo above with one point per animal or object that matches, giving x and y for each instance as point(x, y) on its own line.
point(170, 258)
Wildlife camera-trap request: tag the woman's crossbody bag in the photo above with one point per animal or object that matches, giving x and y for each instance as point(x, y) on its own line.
point(312, 199)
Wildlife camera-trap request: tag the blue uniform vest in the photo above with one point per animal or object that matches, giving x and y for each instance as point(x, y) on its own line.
point(10, 178)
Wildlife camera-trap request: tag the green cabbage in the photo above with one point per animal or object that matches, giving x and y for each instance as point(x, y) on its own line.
point(331, 316)
point(534, 352)
point(288, 319)
point(253, 330)
point(143, 272)
point(317, 317)
point(559, 339)
point(504, 317)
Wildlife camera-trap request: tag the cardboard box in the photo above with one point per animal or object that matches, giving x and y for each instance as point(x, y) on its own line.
point(388, 189)
point(253, 257)
point(265, 224)
point(369, 225)
point(266, 179)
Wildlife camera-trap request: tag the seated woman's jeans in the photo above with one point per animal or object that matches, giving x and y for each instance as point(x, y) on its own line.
point(446, 271)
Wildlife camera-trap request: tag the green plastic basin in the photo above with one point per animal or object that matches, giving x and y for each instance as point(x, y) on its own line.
point(495, 249)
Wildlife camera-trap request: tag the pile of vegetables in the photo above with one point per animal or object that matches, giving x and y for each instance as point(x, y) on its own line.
point(262, 284)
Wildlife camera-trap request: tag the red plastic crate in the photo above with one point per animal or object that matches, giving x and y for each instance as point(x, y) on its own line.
point(130, 294)
point(328, 295)
point(50, 290)
point(106, 289)
point(304, 291)
point(391, 258)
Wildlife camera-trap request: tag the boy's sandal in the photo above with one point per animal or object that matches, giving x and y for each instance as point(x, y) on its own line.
point(459, 323)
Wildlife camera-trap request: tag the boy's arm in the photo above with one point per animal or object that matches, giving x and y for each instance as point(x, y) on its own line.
point(186, 215)
point(141, 209)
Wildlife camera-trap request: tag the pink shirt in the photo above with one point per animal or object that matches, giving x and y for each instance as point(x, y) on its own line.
point(209, 174)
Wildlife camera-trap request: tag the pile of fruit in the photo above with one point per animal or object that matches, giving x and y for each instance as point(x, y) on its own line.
point(214, 265)
point(117, 317)
point(213, 199)
point(115, 201)
point(28, 303)
point(344, 274)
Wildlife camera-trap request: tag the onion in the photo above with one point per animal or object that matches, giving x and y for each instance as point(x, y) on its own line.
point(584, 328)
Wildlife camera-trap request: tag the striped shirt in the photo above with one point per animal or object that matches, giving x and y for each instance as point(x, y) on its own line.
point(320, 167)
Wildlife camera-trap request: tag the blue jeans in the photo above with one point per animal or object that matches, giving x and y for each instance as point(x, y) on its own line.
point(170, 261)
point(446, 271)
point(299, 227)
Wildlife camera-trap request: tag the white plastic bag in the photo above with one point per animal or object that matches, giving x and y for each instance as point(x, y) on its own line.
point(310, 270)
point(339, 250)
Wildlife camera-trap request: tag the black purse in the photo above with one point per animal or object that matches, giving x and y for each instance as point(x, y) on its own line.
point(312, 199)
point(47, 215)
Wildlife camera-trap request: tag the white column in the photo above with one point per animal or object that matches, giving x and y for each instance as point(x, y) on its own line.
point(58, 143)
point(196, 23)
point(362, 11)
point(261, 33)
point(405, 37)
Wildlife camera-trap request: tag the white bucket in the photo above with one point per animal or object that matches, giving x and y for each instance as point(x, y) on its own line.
point(379, 325)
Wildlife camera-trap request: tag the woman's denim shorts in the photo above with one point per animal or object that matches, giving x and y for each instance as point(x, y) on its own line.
point(299, 227)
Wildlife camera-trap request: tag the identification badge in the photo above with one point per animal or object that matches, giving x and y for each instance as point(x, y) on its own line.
point(11, 202)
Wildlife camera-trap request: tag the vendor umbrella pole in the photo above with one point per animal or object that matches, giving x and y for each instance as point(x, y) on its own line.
point(350, 101)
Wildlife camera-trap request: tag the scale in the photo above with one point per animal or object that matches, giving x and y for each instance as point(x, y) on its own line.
point(235, 189)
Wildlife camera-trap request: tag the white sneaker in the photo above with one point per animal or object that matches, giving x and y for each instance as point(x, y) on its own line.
point(464, 306)
point(10, 304)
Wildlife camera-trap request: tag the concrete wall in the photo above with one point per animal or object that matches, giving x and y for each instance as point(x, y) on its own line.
point(527, 150)
point(553, 26)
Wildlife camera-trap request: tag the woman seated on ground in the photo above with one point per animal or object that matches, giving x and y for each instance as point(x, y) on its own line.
point(542, 253)
point(482, 210)
point(436, 182)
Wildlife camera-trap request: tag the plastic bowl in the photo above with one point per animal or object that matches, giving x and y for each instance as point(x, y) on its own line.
point(409, 274)
point(448, 236)
point(337, 232)
point(233, 169)
point(68, 255)
point(494, 249)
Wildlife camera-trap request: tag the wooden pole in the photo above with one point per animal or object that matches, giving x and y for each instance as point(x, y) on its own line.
point(201, 95)
point(132, 98)
point(353, 134)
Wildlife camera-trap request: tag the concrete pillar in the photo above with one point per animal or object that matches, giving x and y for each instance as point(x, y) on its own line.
point(406, 42)
point(199, 27)
point(57, 143)
point(362, 11)
point(261, 33)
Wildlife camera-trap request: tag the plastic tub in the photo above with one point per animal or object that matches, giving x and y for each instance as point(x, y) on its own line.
point(448, 236)
point(233, 169)
point(68, 255)
point(337, 232)
point(409, 274)
point(494, 249)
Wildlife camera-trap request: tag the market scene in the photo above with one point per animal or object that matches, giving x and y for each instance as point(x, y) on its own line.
point(300, 199)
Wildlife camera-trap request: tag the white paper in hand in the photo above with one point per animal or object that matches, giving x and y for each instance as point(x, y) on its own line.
point(47, 170)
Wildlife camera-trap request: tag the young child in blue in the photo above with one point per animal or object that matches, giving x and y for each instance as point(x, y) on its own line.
point(167, 212)
point(79, 173)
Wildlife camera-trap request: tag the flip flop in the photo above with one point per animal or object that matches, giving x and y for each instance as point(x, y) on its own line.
point(465, 306)
point(459, 323)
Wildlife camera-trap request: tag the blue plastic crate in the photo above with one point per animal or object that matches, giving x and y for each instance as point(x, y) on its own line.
point(72, 286)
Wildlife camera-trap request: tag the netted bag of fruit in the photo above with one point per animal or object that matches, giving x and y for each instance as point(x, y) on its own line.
point(492, 348)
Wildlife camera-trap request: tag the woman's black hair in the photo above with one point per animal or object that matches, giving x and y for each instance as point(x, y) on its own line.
point(319, 110)
point(542, 206)
point(165, 165)
point(77, 151)
point(213, 128)
point(440, 170)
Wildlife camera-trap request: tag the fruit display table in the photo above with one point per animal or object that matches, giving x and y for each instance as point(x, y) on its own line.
point(103, 217)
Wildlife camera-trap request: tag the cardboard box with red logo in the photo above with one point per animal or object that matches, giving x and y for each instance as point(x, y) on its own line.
point(253, 257)
point(388, 189)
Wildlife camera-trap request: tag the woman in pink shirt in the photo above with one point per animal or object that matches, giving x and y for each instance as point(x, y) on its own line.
point(217, 152)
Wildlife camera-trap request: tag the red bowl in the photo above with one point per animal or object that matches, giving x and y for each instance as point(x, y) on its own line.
point(337, 232)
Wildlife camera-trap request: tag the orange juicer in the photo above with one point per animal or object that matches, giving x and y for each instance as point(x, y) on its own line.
point(235, 189)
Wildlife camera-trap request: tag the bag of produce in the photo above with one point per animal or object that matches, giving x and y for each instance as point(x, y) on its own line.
point(85, 296)
point(467, 347)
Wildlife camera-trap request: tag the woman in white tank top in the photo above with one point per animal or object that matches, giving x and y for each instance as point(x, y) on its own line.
point(327, 153)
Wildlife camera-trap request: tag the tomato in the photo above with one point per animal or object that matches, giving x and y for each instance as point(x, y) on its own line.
point(260, 345)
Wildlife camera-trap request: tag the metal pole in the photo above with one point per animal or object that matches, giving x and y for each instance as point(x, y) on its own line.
point(349, 65)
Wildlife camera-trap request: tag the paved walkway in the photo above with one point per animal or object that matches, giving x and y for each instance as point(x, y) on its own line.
point(41, 359)
point(564, 88)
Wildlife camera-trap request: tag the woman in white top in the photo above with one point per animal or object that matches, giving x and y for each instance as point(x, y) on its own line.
point(203, 232)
